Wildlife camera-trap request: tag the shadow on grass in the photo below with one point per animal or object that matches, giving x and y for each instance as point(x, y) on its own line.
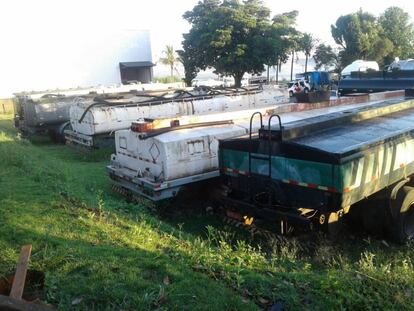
point(107, 274)
point(100, 276)
point(115, 273)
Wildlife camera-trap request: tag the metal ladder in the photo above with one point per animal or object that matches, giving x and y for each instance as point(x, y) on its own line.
point(270, 140)
point(268, 158)
point(250, 139)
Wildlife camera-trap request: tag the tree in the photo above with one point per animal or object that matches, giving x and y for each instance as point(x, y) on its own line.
point(233, 37)
point(397, 28)
point(356, 34)
point(381, 50)
point(286, 39)
point(291, 63)
point(170, 58)
point(186, 57)
point(326, 57)
point(307, 44)
point(361, 35)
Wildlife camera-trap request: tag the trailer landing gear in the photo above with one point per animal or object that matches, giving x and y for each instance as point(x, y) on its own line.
point(332, 223)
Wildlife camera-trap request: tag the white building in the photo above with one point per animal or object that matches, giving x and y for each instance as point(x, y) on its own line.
point(73, 60)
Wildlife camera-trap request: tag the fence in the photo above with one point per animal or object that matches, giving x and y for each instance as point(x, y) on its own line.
point(6, 106)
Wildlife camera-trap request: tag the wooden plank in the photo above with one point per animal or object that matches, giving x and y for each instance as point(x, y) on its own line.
point(10, 304)
point(21, 271)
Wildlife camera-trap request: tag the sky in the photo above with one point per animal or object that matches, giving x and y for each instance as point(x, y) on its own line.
point(28, 27)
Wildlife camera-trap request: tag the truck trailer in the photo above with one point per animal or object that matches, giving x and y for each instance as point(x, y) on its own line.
point(310, 173)
point(156, 160)
point(376, 81)
point(48, 112)
point(43, 113)
point(93, 123)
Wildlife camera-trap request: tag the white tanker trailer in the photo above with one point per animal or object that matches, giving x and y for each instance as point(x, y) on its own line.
point(155, 160)
point(94, 121)
point(48, 111)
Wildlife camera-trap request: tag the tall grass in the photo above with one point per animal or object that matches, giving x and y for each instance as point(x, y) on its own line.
point(100, 252)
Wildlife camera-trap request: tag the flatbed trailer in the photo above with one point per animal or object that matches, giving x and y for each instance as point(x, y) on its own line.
point(376, 81)
point(311, 172)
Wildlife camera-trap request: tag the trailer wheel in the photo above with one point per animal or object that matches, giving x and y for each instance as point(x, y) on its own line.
point(401, 225)
point(57, 133)
point(60, 132)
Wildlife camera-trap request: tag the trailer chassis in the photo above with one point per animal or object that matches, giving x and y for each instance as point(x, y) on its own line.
point(155, 191)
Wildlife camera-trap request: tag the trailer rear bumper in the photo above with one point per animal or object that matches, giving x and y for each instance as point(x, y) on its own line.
point(79, 139)
point(39, 129)
point(89, 141)
point(155, 191)
point(290, 215)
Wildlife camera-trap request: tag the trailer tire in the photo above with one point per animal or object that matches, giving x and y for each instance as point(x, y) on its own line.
point(401, 220)
point(60, 132)
point(57, 133)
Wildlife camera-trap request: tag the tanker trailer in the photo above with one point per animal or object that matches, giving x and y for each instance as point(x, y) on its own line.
point(310, 173)
point(94, 122)
point(48, 112)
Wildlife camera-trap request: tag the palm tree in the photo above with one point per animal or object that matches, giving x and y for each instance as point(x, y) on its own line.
point(307, 44)
point(295, 46)
point(170, 58)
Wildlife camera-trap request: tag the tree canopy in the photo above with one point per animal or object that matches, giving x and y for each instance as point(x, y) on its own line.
point(235, 37)
point(362, 35)
point(188, 59)
point(398, 29)
point(356, 34)
point(325, 57)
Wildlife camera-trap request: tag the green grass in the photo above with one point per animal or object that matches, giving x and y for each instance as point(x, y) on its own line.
point(99, 252)
point(168, 79)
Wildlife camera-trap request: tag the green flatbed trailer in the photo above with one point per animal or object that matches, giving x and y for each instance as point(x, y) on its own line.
point(311, 172)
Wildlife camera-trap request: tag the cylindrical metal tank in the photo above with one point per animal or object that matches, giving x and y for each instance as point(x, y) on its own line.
point(37, 111)
point(89, 118)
